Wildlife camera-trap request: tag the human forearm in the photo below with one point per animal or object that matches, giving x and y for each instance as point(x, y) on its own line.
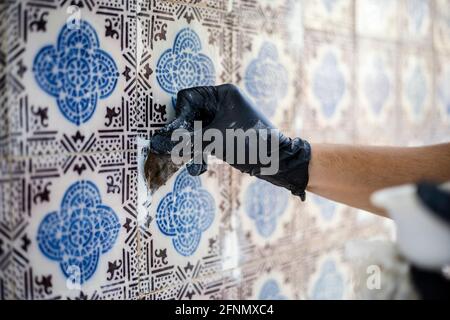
point(349, 174)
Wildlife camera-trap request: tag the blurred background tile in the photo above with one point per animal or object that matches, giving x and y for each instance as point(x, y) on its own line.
point(326, 109)
point(332, 16)
point(441, 28)
point(416, 23)
point(376, 93)
point(377, 18)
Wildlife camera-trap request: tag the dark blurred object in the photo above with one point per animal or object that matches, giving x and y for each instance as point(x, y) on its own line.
point(433, 285)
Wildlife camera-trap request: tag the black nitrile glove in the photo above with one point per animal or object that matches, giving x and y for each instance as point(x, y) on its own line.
point(225, 107)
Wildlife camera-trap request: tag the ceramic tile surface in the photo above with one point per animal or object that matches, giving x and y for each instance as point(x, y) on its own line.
point(84, 85)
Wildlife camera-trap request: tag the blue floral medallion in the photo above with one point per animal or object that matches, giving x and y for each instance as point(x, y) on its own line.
point(80, 231)
point(377, 87)
point(184, 66)
point(416, 90)
point(329, 85)
point(327, 207)
point(271, 291)
point(330, 284)
point(266, 79)
point(265, 203)
point(76, 72)
point(185, 213)
point(444, 91)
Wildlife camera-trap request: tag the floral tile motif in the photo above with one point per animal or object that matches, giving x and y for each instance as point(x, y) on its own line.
point(377, 92)
point(79, 232)
point(271, 291)
point(185, 213)
point(213, 4)
point(441, 26)
point(330, 283)
point(269, 280)
point(179, 46)
point(328, 210)
point(416, 24)
point(266, 80)
point(329, 84)
point(442, 89)
point(264, 203)
point(180, 229)
point(76, 232)
point(184, 65)
point(80, 71)
point(327, 94)
point(264, 217)
point(268, 62)
point(329, 15)
point(416, 87)
point(76, 71)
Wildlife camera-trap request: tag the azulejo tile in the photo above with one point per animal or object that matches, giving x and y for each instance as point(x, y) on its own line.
point(441, 29)
point(442, 90)
point(75, 75)
point(270, 279)
point(264, 211)
point(377, 92)
point(79, 229)
point(416, 95)
point(265, 70)
point(331, 280)
point(376, 18)
point(327, 212)
point(180, 46)
point(329, 15)
point(264, 219)
point(327, 102)
point(212, 4)
point(416, 20)
point(180, 226)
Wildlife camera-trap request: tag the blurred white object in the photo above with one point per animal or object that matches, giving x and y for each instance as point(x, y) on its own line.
point(394, 276)
point(422, 237)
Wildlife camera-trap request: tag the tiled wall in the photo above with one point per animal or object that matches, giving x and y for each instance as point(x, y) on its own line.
point(84, 83)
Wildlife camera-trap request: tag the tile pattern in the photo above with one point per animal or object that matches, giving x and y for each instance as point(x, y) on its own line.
point(77, 107)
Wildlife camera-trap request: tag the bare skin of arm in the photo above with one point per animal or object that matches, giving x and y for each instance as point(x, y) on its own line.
point(350, 174)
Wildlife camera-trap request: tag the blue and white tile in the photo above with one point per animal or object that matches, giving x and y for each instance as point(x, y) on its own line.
point(377, 18)
point(265, 71)
point(79, 235)
point(179, 46)
point(264, 214)
point(73, 77)
point(268, 16)
point(326, 108)
point(212, 4)
point(442, 90)
point(441, 28)
point(273, 285)
point(328, 213)
point(329, 15)
point(416, 20)
point(377, 95)
point(416, 96)
point(180, 227)
point(330, 280)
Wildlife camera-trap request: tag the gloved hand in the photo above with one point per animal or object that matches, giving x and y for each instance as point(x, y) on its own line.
point(225, 107)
